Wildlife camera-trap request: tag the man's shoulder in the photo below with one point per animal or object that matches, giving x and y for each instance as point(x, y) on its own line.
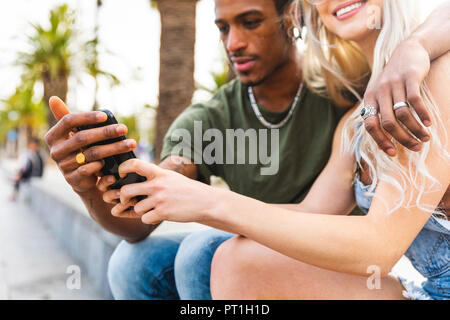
point(231, 90)
point(319, 98)
point(215, 111)
point(228, 96)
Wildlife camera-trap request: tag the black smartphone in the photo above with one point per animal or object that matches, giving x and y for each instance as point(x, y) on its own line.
point(111, 167)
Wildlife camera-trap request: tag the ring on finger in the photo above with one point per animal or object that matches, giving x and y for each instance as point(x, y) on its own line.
point(368, 111)
point(80, 158)
point(401, 104)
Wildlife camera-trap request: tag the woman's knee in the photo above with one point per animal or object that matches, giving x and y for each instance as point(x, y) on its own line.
point(233, 261)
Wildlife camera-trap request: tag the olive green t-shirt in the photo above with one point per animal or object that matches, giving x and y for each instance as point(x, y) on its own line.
point(208, 134)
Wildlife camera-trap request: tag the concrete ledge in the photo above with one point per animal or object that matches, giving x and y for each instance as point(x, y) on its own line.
point(88, 244)
point(58, 207)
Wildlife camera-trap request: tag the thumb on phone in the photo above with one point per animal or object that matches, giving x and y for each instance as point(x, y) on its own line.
point(58, 107)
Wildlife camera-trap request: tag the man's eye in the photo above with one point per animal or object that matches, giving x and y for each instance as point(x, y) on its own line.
point(251, 24)
point(223, 29)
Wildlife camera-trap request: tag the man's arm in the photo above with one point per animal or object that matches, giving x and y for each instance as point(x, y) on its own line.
point(65, 142)
point(181, 165)
point(436, 43)
point(401, 80)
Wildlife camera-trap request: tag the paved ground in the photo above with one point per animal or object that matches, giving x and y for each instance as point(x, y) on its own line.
point(32, 264)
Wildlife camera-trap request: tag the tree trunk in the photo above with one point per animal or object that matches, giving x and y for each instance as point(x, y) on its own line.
point(176, 80)
point(54, 86)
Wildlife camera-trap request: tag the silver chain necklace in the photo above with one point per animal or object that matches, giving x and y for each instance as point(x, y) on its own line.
point(260, 117)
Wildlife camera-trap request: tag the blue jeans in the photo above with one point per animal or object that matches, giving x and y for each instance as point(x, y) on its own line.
point(165, 267)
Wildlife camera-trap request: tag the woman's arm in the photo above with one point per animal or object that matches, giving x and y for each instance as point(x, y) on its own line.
point(335, 179)
point(347, 244)
point(340, 243)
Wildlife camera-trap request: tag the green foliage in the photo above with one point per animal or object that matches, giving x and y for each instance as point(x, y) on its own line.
point(131, 123)
point(50, 52)
point(91, 62)
point(153, 4)
point(22, 109)
point(220, 78)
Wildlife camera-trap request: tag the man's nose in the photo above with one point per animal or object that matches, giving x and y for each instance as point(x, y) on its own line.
point(235, 41)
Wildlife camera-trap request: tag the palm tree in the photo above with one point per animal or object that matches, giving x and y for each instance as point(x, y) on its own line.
point(219, 78)
point(91, 60)
point(176, 80)
point(91, 63)
point(49, 58)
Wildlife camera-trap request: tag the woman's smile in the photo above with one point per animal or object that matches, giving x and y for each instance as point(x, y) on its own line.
point(348, 9)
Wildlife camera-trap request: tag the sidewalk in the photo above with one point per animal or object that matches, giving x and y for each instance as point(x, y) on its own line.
point(32, 264)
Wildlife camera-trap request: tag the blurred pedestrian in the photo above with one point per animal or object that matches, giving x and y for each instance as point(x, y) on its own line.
point(32, 165)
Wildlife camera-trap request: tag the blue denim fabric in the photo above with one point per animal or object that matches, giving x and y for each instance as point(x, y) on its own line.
point(165, 267)
point(429, 253)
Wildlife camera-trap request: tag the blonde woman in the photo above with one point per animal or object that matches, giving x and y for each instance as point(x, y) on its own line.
point(314, 250)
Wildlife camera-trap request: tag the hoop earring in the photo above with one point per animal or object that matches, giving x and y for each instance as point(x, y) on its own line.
point(294, 33)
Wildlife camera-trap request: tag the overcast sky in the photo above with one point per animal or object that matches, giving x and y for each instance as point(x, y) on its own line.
point(130, 31)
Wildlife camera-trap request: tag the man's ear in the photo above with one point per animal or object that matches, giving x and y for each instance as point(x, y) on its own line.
point(292, 21)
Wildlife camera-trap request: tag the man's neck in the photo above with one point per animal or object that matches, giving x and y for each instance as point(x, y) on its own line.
point(278, 91)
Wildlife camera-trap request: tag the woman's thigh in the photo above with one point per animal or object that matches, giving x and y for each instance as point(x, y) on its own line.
point(244, 269)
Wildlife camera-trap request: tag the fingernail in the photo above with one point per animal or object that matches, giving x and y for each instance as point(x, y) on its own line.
point(121, 129)
point(417, 147)
point(391, 152)
point(131, 144)
point(101, 116)
point(426, 139)
point(111, 179)
point(427, 123)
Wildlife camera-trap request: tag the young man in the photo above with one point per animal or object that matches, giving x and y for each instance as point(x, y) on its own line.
point(291, 130)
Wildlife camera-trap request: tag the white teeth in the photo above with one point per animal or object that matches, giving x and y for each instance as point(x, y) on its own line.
point(348, 9)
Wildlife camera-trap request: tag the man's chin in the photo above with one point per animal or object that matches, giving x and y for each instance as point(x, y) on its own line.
point(250, 81)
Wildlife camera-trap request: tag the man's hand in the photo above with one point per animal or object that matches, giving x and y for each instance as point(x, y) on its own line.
point(65, 142)
point(400, 81)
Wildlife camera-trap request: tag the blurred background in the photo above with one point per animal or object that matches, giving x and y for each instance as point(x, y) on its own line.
point(105, 54)
point(145, 61)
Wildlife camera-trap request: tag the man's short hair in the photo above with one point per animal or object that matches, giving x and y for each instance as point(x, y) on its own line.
point(281, 5)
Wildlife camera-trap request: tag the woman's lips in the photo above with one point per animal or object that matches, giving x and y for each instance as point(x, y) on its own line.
point(243, 66)
point(351, 13)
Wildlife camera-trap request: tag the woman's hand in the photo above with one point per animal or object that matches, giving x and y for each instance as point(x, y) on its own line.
point(169, 196)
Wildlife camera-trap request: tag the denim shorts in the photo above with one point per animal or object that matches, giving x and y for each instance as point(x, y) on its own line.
point(429, 254)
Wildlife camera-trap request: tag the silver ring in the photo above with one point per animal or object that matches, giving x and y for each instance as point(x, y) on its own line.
point(368, 111)
point(402, 104)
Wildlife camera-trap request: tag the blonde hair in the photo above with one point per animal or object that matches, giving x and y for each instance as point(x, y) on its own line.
point(337, 67)
point(334, 68)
